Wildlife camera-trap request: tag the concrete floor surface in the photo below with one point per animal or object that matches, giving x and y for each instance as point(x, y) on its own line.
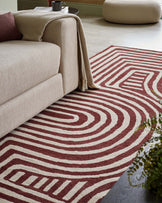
point(100, 34)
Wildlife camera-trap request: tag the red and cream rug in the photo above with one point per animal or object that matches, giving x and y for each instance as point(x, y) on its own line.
point(75, 150)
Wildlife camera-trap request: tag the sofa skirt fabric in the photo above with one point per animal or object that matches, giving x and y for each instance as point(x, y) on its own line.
point(132, 11)
point(23, 107)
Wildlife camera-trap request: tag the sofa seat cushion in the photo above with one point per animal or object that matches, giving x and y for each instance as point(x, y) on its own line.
point(25, 64)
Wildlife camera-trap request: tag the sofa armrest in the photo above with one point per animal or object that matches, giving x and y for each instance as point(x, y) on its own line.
point(63, 32)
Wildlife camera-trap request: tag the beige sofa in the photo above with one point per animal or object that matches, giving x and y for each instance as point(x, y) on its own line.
point(34, 74)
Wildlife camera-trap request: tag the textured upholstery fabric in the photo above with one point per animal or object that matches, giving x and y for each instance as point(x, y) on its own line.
point(23, 107)
point(8, 29)
point(31, 79)
point(38, 21)
point(132, 11)
point(26, 65)
point(63, 32)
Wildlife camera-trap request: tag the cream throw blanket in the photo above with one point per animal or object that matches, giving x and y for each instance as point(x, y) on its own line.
point(32, 24)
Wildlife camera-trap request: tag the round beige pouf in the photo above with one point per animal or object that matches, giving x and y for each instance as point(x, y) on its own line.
point(132, 11)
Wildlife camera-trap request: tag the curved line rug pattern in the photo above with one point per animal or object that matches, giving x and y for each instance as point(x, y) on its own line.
point(76, 149)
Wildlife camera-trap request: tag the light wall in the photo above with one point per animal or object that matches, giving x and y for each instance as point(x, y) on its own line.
point(8, 5)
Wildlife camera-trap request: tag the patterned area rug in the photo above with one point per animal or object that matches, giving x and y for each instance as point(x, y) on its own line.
point(75, 150)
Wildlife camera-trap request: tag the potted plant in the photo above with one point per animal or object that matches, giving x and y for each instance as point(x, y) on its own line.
point(149, 159)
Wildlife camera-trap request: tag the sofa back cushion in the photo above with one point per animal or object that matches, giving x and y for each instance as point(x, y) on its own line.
point(8, 28)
